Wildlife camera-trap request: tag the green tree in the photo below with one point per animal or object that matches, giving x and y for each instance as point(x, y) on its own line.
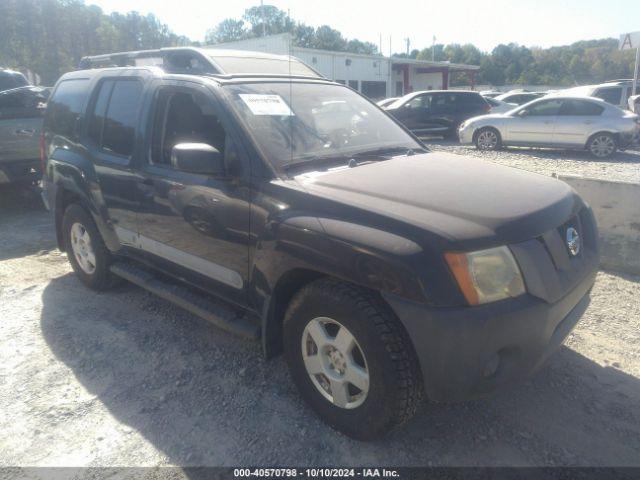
point(327, 38)
point(268, 20)
point(228, 30)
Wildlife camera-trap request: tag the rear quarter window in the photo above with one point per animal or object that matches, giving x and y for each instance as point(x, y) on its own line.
point(65, 107)
point(610, 95)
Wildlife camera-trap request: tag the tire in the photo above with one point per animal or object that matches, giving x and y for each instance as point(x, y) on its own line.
point(380, 348)
point(76, 220)
point(452, 134)
point(602, 145)
point(488, 139)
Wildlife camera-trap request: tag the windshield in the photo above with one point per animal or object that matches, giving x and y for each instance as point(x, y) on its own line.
point(293, 122)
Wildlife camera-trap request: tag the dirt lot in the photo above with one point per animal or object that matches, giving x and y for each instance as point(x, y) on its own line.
point(124, 378)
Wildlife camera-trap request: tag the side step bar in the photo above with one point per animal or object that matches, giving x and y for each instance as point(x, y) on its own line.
point(199, 304)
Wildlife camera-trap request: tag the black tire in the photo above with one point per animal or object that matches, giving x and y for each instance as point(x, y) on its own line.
point(101, 278)
point(602, 145)
point(395, 381)
point(452, 134)
point(480, 145)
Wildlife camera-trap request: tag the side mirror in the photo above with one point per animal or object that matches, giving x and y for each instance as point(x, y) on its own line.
point(197, 158)
point(522, 113)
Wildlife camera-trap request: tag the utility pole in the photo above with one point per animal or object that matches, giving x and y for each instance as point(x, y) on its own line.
point(635, 74)
point(264, 19)
point(433, 49)
point(408, 40)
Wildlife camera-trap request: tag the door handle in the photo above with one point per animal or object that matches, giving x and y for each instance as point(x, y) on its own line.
point(25, 132)
point(147, 181)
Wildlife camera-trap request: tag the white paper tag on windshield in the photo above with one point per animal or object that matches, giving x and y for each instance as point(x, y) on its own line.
point(260, 104)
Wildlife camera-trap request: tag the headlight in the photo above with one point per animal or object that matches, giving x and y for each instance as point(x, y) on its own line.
point(486, 275)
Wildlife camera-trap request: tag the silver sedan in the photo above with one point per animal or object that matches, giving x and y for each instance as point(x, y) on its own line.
point(558, 122)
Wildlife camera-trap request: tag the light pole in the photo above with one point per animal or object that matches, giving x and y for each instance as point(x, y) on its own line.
point(433, 49)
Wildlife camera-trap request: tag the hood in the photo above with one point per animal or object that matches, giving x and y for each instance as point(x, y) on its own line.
point(489, 116)
point(459, 198)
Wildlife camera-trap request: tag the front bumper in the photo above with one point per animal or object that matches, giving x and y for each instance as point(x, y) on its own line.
point(465, 135)
point(466, 352)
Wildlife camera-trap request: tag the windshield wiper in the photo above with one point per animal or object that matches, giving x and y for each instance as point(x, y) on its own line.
point(378, 154)
point(388, 152)
point(319, 161)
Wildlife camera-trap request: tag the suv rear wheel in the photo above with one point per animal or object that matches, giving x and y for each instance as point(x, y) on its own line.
point(351, 359)
point(602, 145)
point(85, 249)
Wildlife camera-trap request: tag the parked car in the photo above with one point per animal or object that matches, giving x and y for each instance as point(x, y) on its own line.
point(437, 112)
point(387, 101)
point(10, 79)
point(384, 272)
point(615, 92)
point(490, 93)
point(566, 122)
point(519, 97)
point(21, 112)
point(498, 106)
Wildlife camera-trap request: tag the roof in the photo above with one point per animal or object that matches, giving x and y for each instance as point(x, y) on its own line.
point(201, 61)
point(393, 60)
point(428, 63)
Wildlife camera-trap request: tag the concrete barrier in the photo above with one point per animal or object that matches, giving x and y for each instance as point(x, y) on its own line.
point(616, 206)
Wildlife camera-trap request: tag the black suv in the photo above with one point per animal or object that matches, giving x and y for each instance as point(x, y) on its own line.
point(288, 208)
point(438, 112)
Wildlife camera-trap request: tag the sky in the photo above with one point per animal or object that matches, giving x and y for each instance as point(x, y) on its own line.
point(484, 23)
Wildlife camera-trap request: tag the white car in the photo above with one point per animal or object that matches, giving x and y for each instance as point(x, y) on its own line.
point(498, 106)
point(519, 97)
point(558, 122)
point(386, 102)
point(614, 92)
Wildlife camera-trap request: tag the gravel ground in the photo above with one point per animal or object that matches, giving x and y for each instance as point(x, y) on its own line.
point(123, 378)
point(623, 166)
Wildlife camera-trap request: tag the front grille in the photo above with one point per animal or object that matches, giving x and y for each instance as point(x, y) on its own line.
point(549, 268)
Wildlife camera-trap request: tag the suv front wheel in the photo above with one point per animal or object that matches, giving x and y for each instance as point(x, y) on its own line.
point(351, 359)
point(85, 249)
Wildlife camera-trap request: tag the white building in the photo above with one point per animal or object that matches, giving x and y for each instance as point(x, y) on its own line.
point(375, 76)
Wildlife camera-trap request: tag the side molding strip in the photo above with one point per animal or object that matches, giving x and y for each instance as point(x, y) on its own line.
point(192, 262)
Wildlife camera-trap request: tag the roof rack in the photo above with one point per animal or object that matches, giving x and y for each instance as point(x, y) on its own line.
point(171, 60)
point(205, 61)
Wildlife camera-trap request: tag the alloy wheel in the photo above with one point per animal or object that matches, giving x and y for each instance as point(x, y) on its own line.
point(82, 249)
point(487, 140)
point(602, 146)
point(335, 362)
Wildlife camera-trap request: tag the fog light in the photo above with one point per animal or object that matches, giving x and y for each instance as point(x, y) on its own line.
point(491, 367)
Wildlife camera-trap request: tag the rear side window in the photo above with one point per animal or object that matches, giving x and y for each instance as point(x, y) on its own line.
point(468, 102)
point(65, 107)
point(544, 109)
point(580, 108)
point(115, 116)
point(96, 121)
point(610, 95)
